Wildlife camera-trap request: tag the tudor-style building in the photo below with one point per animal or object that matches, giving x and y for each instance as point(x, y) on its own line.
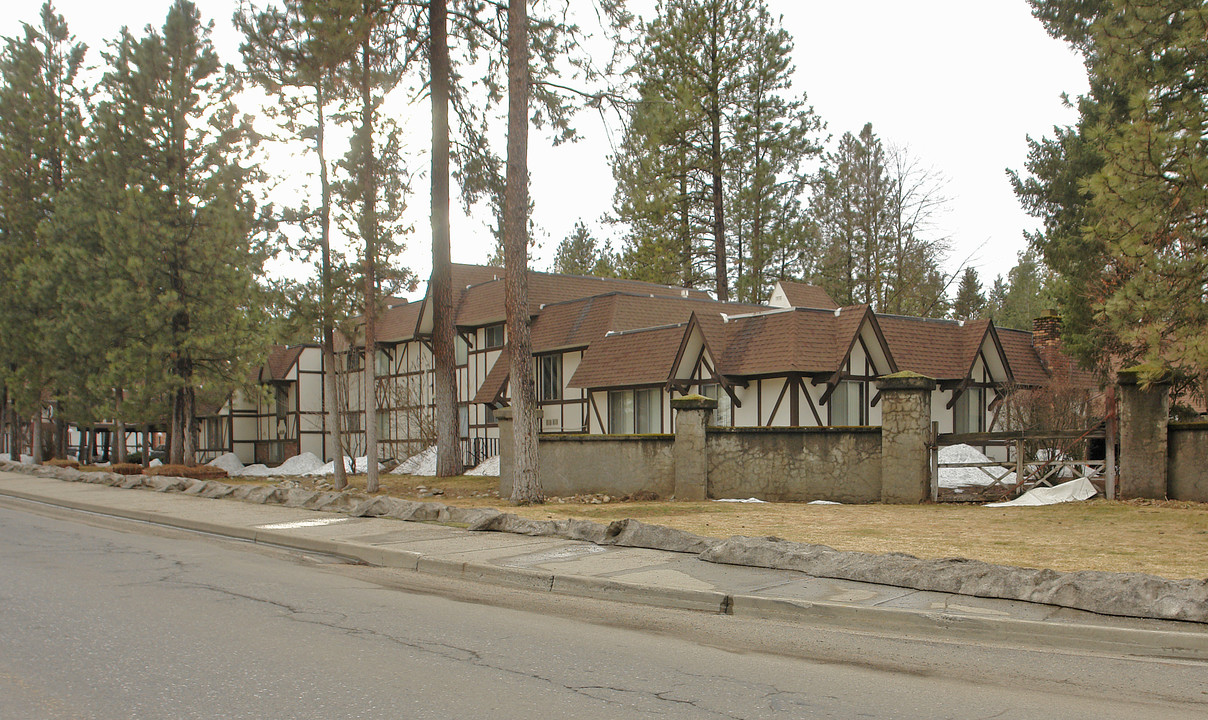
point(611, 354)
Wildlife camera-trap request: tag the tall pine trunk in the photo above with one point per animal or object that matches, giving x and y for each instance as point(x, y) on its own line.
point(721, 280)
point(35, 448)
point(444, 334)
point(330, 389)
point(369, 230)
point(526, 481)
point(119, 428)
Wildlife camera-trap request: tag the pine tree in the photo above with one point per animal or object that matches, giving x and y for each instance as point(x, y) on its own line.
point(970, 303)
point(285, 55)
point(40, 124)
point(175, 219)
point(709, 168)
point(1120, 192)
point(873, 208)
point(580, 254)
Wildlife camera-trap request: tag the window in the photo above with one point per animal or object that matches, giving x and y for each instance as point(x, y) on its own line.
point(461, 351)
point(282, 403)
point(490, 415)
point(383, 424)
point(721, 416)
point(494, 336)
point(463, 420)
point(383, 362)
point(847, 404)
point(634, 411)
point(352, 422)
point(213, 434)
point(550, 387)
point(969, 414)
point(353, 361)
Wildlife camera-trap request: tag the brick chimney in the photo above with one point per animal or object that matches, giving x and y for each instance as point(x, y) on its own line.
point(1046, 340)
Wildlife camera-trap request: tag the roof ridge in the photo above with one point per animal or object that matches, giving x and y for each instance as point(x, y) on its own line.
point(616, 333)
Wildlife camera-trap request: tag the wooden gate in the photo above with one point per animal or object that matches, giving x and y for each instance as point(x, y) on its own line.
point(1015, 462)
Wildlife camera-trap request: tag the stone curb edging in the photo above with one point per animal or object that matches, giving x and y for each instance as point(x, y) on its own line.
point(1114, 594)
point(889, 620)
point(949, 627)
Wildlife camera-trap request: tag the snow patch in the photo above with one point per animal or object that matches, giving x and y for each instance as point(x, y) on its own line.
point(823, 502)
point(156, 462)
point(227, 461)
point(361, 465)
point(488, 468)
point(422, 464)
point(747, 500)
point(958, 477)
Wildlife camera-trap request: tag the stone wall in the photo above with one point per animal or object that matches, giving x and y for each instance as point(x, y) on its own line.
point(795, 464)
point(1187, 461)
point(605, 464)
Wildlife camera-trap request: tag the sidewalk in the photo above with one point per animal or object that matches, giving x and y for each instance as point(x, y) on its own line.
point(625, 574)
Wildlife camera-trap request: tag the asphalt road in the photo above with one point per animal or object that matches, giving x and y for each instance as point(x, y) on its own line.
point(110, 619)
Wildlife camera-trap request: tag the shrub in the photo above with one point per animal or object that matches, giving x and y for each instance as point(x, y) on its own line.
point(63, 462)
point(196, 472)
point(126, 469)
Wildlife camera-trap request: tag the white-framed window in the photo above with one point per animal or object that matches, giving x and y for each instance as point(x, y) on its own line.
point(635, 411)
point(847, 404)
point(493, 336)
point(969, 412)
point(550, 374)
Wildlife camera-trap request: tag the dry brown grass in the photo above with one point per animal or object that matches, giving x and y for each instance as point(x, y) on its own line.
point(1162, 538)
point(1169, 539)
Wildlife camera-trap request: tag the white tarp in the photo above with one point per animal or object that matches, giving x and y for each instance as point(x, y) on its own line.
point(1072, 491)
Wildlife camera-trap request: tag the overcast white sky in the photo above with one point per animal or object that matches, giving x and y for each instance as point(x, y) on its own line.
point(962, 83)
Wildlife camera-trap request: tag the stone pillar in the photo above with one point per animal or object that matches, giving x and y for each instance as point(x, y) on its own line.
point(1144, 413)
point(905, 436)
point(691, 452)
point(507, 447)
point(503, 416)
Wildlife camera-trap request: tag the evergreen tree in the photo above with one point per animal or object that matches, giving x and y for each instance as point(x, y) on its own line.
point(580, 254)
point(1027, 294)
point(710, 165)
point(285, 55)
point(40, 124)
point(970, 303)
point(175, 219)
point(873, 209)
point(526, 480)
point(1055, 189)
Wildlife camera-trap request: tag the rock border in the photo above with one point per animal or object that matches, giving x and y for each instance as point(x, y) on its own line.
point(1137, 595)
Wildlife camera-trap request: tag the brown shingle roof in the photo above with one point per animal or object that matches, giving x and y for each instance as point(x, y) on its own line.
point(279, 362)
point(577, 323)
point(795, 340)
point(483, 304)
point(939, 349)
point(639, 357)
point(397, 323)
point(807, 296)
point(492, 385)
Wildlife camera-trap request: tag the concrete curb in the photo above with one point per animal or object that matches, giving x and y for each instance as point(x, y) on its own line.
point(935, 626)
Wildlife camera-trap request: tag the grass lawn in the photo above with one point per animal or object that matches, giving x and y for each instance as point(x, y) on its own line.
point(1163, 538)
